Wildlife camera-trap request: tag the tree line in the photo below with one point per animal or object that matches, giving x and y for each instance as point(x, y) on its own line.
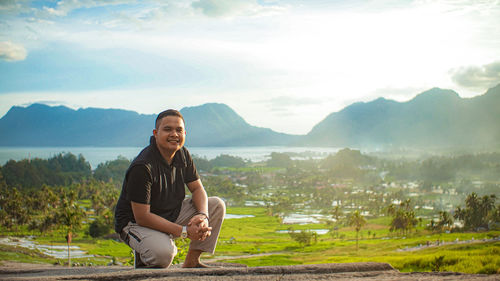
point(66, 168)
point(60, 170)
point(348, 180)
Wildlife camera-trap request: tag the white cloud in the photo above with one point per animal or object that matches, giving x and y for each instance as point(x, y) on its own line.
point(11, 6)
point(55, 12)
point(12, 52)
point(216, 8)
point(65, 7)
point(477, 77)
point(228, 8)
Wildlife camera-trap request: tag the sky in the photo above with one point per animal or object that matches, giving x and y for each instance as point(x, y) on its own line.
point(283, 65)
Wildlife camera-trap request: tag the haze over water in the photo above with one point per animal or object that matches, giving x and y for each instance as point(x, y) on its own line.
point(97, 155)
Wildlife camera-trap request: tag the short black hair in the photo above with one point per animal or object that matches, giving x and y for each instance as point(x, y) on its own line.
point(168, 112)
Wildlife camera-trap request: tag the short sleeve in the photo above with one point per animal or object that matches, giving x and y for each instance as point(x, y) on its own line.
point(138, 185)
point(190, 173)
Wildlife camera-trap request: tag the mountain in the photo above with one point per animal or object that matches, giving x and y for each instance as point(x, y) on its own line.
point(42, 125)
point(215, 124)
point(207, 125)
point(435, 118)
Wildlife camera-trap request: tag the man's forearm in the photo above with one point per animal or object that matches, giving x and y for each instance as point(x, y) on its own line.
point(200, 200)
point(156, 222)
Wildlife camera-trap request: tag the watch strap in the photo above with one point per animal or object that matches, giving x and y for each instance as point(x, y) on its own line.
point(203, 213)
point(184, 232)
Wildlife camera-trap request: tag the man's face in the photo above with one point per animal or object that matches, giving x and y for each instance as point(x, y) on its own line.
point(171, 134)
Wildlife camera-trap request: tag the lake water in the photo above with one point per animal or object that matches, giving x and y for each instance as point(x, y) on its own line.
point(56, 251)
point(318, 231)
point(97, 155)
point(303, 218)
point(231, 216)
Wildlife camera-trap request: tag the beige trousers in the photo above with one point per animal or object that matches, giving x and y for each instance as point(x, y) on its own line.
point(157, 249)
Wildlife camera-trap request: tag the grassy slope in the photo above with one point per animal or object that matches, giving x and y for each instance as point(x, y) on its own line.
point(258, 235)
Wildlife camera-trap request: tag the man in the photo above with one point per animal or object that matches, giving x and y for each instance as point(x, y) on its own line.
point(152, 209)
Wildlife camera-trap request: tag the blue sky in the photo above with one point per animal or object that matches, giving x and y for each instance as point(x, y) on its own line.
point(284, 65)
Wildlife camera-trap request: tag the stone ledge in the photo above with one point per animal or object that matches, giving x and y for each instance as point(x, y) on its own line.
point(240, 271)
point(338, 271)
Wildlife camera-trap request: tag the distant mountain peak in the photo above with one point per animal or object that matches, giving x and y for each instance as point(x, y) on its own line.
point(215, 112)
point(434, 118)
point(213, 105)
point(38, 106)
point(212, 124)
point(436, 93)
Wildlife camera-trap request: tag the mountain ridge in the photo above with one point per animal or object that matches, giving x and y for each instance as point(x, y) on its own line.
point(434, 118)
point(440, 114)
point(208, 125)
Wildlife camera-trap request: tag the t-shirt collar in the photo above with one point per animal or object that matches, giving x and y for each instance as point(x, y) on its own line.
point(179, 158)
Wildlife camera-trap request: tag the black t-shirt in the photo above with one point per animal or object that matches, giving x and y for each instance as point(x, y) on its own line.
point(150, 180)
point(139, 184)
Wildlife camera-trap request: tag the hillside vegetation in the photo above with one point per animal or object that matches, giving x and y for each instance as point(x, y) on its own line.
point(433, 213)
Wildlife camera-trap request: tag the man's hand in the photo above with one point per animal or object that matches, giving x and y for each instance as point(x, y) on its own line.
point(198, 228)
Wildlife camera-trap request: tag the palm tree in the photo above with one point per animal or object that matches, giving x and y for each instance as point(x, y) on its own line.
point(358, 222)
point(445, 221)
point(476, 211)
point(336, 213)
point(70, 215)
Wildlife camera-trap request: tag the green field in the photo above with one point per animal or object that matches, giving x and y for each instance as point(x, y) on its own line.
point(254, 241)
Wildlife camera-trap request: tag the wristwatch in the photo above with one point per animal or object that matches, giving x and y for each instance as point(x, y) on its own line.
point(184, 233)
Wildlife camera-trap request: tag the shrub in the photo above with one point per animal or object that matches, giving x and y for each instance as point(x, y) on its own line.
point(303, 237)
point(99, 228)
point(489, 269)
point(438, 263)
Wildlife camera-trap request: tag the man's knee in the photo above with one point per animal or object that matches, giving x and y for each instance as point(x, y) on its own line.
point(159, 256)
point(217, 203)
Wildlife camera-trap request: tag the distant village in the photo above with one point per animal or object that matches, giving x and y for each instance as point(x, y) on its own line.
point(429, 192)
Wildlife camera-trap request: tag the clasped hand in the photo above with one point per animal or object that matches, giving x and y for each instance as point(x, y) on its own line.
point(198, 228)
